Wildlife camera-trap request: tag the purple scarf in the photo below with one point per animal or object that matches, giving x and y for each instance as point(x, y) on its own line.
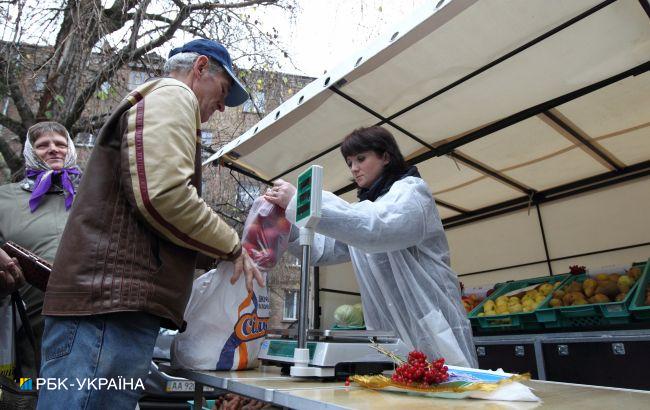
point(43, 182)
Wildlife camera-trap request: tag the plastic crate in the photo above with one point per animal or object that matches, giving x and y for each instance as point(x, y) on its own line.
point(513, 321)
point(591, 315)
point(209, 404)
point(638, 308)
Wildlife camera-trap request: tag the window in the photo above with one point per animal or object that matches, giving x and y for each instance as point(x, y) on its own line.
point(136, 78)
point(293, 262)
point(259, 99)
point(290, 304)
point(85, 139)
point(206, 138)
point(39, 83)
point(104, 89)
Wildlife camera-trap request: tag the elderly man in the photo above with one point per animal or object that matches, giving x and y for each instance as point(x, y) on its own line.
point(127, 256)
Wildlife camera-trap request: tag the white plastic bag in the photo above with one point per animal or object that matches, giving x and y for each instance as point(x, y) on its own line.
point(7, 348)
point(226, 324)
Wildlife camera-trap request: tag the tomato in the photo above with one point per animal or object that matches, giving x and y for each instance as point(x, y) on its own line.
point(283, 225)
point(248, 246)
point(266, 258)
point(253, 233)
point(271, 236)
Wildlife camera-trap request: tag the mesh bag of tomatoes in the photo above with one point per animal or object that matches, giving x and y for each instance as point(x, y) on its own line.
point(418, 372)
point(266, 233)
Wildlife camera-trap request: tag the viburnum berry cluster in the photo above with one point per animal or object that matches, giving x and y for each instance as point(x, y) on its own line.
point(577, 270)
point(419, 372)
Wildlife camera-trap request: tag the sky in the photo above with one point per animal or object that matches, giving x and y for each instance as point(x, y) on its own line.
point(326, 32)
point(323, 33)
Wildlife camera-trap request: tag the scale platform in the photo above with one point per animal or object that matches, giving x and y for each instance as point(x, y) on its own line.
point(334, 353)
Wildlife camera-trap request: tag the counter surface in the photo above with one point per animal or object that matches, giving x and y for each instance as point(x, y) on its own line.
point(269, 385)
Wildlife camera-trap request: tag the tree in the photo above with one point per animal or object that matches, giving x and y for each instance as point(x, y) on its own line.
point(76, 48)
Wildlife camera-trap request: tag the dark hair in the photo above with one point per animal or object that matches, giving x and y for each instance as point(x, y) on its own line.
point(40, 128)
point(378, 140)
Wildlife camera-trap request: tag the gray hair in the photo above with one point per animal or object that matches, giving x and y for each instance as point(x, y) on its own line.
point(183, 62)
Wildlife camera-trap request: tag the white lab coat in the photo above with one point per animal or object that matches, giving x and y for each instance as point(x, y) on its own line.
point(401, 260)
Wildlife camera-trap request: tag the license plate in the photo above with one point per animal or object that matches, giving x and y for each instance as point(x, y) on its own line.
point(184, 386)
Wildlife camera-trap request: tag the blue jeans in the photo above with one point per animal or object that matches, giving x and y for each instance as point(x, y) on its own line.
point(105, 359)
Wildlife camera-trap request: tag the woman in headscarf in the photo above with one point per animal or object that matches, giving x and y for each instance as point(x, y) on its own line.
point(395, 240)
point(34, 213)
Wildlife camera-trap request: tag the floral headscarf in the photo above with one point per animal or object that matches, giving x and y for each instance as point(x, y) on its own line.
point(41, 173)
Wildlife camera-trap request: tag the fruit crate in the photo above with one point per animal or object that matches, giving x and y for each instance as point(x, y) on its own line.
point(208, 405)
point(638, 308)
point(513, 321)
point(589, 315)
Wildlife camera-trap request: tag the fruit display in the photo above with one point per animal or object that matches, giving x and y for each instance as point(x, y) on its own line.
point(419, 372)
point(600, 288)
point(470, 301)
point(266, 233)
point(518, 302)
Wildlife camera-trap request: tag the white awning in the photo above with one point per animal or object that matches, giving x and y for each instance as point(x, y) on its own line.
point(498, 103)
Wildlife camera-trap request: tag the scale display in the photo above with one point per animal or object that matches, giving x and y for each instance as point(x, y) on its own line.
point(309, 195)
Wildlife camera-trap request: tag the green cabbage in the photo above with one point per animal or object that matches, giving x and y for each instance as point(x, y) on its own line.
point(349, 315)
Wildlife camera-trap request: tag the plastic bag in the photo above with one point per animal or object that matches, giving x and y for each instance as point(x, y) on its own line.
point(7, 353)
point(266, 233)
point(226, 324)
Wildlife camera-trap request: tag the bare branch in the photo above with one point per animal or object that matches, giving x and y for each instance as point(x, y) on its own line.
point(17, 96)
point(15, 162)
point(214, 6)
point(126, 54)
point(16, 127)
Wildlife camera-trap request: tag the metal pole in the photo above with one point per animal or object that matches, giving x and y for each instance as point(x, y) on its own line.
point(303, 312)
point(316, 305)
point(541, 227)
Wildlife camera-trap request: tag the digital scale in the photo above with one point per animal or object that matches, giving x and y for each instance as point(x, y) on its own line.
point(323, 353)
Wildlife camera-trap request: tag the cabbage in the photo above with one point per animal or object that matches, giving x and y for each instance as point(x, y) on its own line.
point(349, 315)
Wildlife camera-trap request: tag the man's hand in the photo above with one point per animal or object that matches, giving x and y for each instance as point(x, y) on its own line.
point(11, 277)
point(280, 194)
point(245, 264)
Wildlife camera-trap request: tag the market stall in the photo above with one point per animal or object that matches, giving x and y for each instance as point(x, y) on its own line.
point(530, 121)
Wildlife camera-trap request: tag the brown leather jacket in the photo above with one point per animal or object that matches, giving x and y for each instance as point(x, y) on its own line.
point(137, 223)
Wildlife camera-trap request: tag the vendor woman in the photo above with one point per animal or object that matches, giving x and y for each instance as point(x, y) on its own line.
point(397, 245)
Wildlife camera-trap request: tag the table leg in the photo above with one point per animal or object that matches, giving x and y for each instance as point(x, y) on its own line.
point(198, 395)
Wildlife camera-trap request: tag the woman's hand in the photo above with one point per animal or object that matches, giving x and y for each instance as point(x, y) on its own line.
point(11, 277)
point(280, 194)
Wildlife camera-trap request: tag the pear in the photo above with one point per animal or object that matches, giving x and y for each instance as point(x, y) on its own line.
point(599, 298)
point(624, 283)
point(634, 272)
point(516, 308)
